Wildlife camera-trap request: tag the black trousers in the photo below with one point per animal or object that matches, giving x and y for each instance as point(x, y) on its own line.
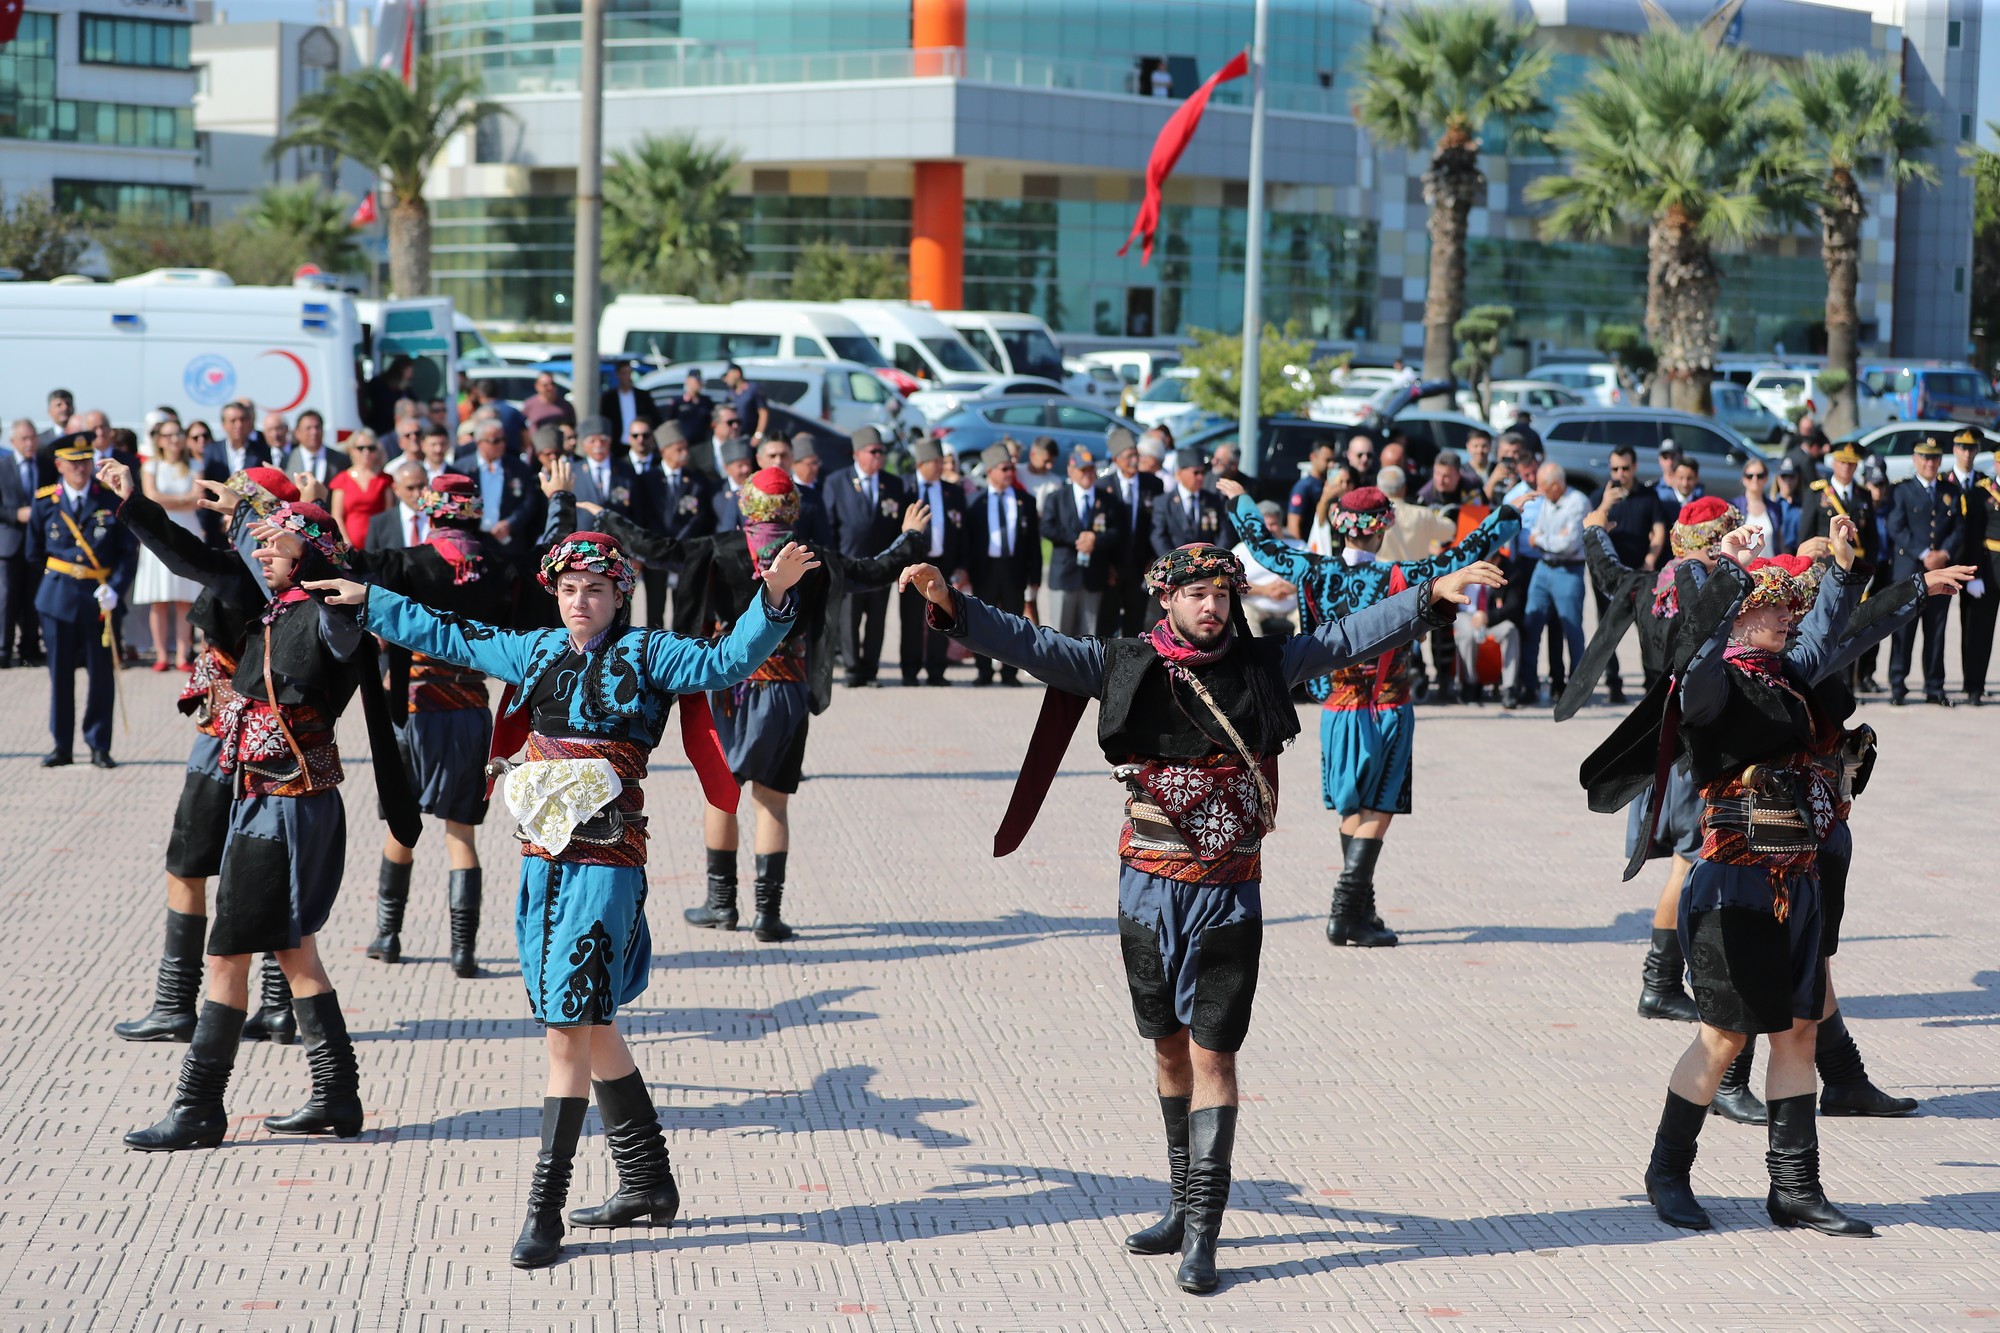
point(73, 644)
point(1003, 585)
point(20, 623)
point(922, 648)
point(655, 580)
point(861, 634)
point(1932, 619)
point(1122, 613)
point(1975, 629)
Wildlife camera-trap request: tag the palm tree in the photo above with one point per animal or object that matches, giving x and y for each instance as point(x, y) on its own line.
point(396, 130)
point(314, 220)
point(669, 225)
point(1446, 72)
point(1679, 135)
point(1850, 122)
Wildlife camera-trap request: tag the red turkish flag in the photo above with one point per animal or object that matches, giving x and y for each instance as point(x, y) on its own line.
point(10, 20)
point(364, 212)
point(1167, 149)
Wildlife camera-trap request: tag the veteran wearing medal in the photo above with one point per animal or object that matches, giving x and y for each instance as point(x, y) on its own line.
point(1086, 532)
point(74, 535)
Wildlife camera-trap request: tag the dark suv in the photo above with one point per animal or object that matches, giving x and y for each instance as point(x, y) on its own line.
point(1581, 440)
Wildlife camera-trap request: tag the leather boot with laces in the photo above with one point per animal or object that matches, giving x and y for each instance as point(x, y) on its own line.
point(273, 1020)
point(1352, 919)
point(1211, 1140)
point(719, 911)
point(1165, 1235)
point(768, 925)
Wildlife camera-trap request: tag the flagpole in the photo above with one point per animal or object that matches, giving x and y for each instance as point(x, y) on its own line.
point(585, 291)
point(1247, 413)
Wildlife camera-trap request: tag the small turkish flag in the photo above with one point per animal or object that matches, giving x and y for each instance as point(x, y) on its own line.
point(364, 212)
point(10, 20)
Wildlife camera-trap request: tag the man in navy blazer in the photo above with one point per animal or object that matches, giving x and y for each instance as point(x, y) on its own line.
point(1085, 526)
point(225, 457)
point(865, 505)
point(20, 478)
point(602, 478)
point(510, 492)
point(923, 648)
point(1923, 531)
point(1003, 548)
point(1125, 604)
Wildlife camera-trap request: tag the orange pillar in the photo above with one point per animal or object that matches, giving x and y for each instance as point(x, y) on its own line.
point(937, 204)
point(937, 235)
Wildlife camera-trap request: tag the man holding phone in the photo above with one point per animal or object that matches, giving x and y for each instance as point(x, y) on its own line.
point(1630, 515)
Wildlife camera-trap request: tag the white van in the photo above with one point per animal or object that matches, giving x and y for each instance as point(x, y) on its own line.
point(469, 345)
point(917, 342)
point(845, 394)
point(127, 347)
point(1011, 342)
point(668, 330)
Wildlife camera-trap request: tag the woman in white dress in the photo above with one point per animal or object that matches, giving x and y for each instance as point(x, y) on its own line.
point(168, 478)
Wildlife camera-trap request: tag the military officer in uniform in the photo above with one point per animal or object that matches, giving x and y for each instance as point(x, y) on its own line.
point(1844, 496)
point(1978, 546)
point(74, 533)
point(1923, 530)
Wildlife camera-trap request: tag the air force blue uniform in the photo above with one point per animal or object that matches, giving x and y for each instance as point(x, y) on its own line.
point(73, 627)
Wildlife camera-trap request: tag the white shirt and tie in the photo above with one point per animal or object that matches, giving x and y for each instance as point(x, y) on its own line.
point(1129, 492)
point(1001, 511)
point(239, 459)
point(641, 463)
point(932, 494)
point(314, 463)
point(415, 526)
point(600, 474)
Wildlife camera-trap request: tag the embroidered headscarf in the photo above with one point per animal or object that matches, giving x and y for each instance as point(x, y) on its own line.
point(591, 552)
point(451, 500)
point(263, 489)
point(1196, 560)
point(1362, 512)
point(317, 529)
point(1783, 581)
point(768, 506)
point(1703, 523)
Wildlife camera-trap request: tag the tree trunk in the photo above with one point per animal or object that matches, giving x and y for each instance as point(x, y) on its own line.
point(1657, 394)
point(1840, 250)
point(1684, 331)
point(1452, 185)
point(409, 247)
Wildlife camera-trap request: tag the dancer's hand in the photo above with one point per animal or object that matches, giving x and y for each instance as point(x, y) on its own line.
point(274, 538)
point(929, 581)
point(1228, 489)
point(1743, 544)
point(791, 564)
point(555, 477)
point(590, 506)
point(1842, 537)
point(339, 592)
point(1452, 587)
point(917, 517)
point(1944, 582)
point(216, 497)
point(115, 477)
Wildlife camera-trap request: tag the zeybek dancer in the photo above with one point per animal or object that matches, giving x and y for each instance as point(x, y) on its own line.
point(1192, 718)
point(598, 692)
point(1368, 724)
point(764, 720)
point(448, 731)
point(201, 819)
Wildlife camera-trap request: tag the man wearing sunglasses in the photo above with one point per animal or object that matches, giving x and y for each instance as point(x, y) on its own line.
point(1002, 549)
point(1631, 516)
point(866, 507)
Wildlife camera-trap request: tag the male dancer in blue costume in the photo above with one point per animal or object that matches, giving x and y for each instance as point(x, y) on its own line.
point(598, 692)
point(1368, 727)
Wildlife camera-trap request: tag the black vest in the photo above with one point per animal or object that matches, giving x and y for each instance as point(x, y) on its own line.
point(303, 669)
point(1760, 724)
point(1143, 713)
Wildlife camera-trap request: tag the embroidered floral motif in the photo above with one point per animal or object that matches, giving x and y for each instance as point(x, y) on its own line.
point(587, 995)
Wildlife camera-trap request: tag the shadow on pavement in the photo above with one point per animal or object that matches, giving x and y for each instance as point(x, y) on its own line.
point(1626, 926)
point(1982, 1105)
point(1945, 1009)
point(1006, 932)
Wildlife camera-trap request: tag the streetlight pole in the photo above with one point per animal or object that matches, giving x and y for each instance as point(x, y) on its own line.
point(585, 292)
point(1253, 258)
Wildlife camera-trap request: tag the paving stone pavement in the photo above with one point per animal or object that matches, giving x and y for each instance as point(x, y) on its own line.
point(929, 1111)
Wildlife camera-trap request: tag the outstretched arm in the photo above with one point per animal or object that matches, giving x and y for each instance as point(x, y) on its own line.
point(444, 635)
point(1499, 528)
point(877, 571)
point(1819, 635)
point(684, 665)
point(1367, 633)
point(1067, 663)
point(651, 548)
point(1293, 564)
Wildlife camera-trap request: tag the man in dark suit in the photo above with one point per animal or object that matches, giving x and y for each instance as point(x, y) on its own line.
point(624, 405)
point(510, 494)
point(1923, 532)
point(312, 453)
point(1003, 549)
point(865, 505)
point(20, 625)
point(1085, 529)
point(1978, 521)
point(601, 478)
point(737, 465)
point(227, 456)
point(923, 648)
point(1123, 612)
point(1186, 513)
point(649, 503)
point(814, 523)
point(685, 505)
point(402, 523)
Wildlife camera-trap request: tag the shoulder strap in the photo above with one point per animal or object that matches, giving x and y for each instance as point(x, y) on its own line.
point(77, 533)
point(1266, 801)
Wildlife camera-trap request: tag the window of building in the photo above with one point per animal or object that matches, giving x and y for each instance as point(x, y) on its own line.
point(168, 203)
point(1965, 128)
point(203, 150)
point(1954, 34)
point(146, 43)
point(201, 87)
point(1958, 279)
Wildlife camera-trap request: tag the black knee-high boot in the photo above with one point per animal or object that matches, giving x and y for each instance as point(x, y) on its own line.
point(1733, 1099)
point(719, 912)
point(335, 1105)
point(196, 1119)
point(1211, 1140)
point(392, 895)
point(1848, 1090)
point(465, 891)
point(273, 1020)
point(1796, 1198)
point(768, 926)
point(1667, 1176)
point(541, 1235)
point(1352, 919)
point(1664, 995)
point(178, 990)
point(1164, 1236)
point(647, 1195)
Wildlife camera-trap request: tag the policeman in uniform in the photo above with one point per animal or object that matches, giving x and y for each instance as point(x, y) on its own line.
point(1846, 496)
point(1978, 546)
point(75, 532)
point(1923, 529)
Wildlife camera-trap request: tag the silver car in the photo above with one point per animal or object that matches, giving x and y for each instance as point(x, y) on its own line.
point(1896, 443)
point(1065, 420)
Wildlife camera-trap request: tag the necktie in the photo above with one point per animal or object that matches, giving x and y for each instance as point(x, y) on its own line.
point(603, 481)
point(871, 489)
point(416, 530)
point(1190, 504)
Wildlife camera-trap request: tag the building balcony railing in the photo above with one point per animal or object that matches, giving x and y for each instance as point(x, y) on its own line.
point(641, 66)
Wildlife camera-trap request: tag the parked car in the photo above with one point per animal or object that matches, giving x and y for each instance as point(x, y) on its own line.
point(1743, 414)
point(1283, 449)
point(1787, 392)
point(1070, 423)
point(1895, 444)
point(1165, 400)
point(1933, 391)
point(1505, 398)
point(1599, 382)
point(940, 401)
point(845, 394)
point(515, 383)
point(1581, 440)
point(528, 354)
point(1093, 382)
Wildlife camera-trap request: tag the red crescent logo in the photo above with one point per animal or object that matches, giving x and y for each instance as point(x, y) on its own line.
point(305, 380)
